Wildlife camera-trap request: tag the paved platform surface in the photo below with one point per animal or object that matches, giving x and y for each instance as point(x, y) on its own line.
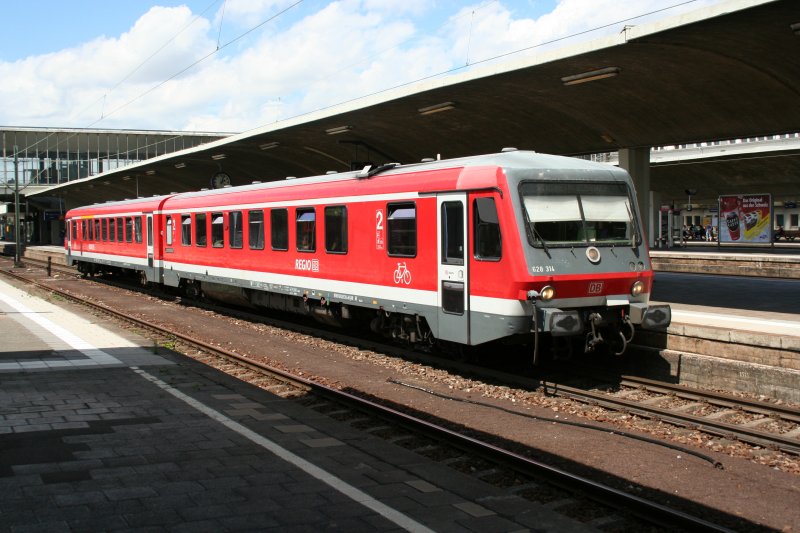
point(98, 433)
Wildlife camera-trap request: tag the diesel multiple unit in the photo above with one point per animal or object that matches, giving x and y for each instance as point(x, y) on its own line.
point(515, 246)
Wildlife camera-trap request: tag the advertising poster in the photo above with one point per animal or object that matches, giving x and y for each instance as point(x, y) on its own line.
point(745, 218)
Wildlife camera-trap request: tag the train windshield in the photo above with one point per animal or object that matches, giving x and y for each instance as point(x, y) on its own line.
point(585, 213)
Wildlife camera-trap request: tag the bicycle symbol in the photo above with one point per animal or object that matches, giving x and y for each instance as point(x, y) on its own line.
point(402, 274)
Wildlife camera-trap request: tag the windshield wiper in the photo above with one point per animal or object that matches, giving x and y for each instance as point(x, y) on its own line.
point(537, 235)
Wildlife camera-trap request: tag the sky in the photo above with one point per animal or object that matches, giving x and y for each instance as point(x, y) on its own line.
point(236, 65)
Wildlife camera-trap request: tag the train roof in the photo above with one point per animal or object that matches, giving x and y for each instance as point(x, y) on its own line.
point(135, 204)
point(510, 159)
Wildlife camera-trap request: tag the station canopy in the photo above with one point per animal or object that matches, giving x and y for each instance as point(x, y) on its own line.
point(723, 72)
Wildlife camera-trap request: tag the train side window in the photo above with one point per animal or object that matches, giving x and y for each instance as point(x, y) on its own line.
point(255, 229)
point(84, 230)
point(186, 230)
point(217, 230)
point(128, 229)
point(137, 229)
point(112, 229)
point(402, 229)
point(200, 229)
point(306, 229)
point(104, 226)
point(452, 233)
point(336, 229)
point(235, 229)
point(279, 220)
point(74, 228)
point(168, 236)
point(120, 230)
point(486, 228)
point(97, 229)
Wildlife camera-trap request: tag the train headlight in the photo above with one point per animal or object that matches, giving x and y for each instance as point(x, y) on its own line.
point(593, 254)
point(547, 293)
point(637, 288)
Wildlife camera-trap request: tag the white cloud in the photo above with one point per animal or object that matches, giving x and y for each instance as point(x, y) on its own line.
point(291, 66)
point(73, 87)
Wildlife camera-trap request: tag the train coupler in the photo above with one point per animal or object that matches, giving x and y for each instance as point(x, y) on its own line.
point(594, 338)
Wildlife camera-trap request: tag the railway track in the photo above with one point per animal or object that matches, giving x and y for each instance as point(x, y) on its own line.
point(372, 415)
point(757, 423)
point(764, 424)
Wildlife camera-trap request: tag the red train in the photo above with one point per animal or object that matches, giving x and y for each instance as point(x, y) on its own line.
point(511, 246)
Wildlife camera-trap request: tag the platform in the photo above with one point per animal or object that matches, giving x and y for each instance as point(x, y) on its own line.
point(765, 262)
point(98, 432)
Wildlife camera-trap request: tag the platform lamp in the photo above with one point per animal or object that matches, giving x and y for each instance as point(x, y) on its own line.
point(690, 193)
point(17, 240)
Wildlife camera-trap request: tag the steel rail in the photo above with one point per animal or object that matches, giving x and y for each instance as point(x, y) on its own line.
point(721, 429)
point(721, 399)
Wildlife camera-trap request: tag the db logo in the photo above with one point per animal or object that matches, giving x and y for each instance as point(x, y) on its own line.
point(596, 287)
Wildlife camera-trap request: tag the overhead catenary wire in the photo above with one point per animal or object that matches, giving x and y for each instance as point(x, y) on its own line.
point(221, 19)
point(219, 47)
point(192, 65)
point(124, 79)
point(148, 58)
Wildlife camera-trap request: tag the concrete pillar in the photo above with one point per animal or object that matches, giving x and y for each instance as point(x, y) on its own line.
point(637, 162)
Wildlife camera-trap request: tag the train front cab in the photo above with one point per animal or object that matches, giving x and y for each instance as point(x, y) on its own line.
point(584, 230)
point(498, 280)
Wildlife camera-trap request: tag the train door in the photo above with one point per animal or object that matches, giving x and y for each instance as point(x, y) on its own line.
point(80, 239)
point(68, 236)
point(453, 278)
point(150, 240)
